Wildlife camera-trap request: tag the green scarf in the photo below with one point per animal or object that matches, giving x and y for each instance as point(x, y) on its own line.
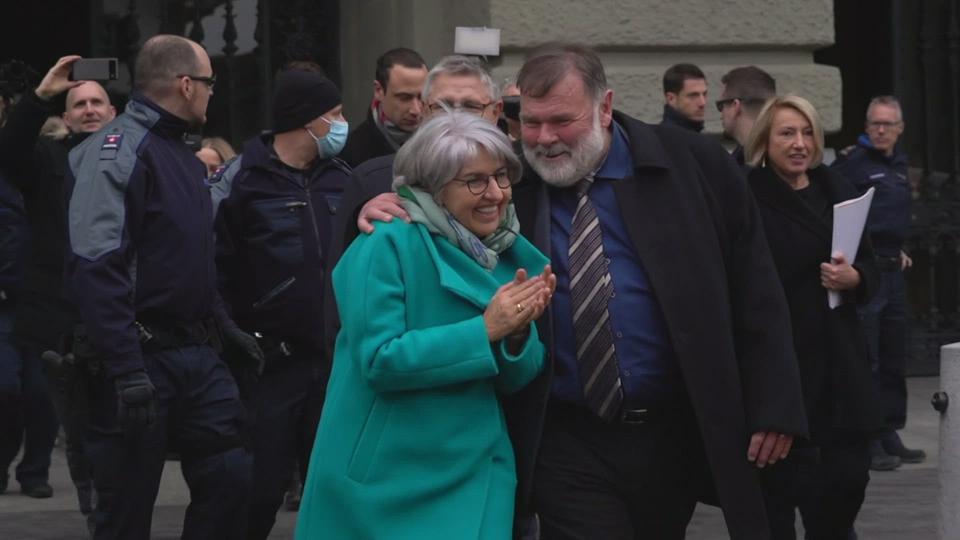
point(424, 209)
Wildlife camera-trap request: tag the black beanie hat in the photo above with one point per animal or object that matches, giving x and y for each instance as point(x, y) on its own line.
point(299, 97)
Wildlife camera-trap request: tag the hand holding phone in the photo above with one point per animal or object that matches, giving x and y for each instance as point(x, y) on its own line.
point(57, 80)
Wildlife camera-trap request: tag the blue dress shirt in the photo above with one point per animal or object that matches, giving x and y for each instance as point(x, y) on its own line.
point(648, 366)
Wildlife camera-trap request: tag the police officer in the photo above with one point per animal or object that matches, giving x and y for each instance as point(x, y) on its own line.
point(140, 263)
point(276, 204)
point(876, 161)
point(44, 315)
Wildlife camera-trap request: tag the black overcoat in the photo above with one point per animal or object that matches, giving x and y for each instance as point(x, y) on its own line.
point(838, 387)
point(365, 143)
point(694, 224)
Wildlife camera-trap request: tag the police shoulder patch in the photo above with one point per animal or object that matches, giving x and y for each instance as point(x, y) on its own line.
point(110, 146)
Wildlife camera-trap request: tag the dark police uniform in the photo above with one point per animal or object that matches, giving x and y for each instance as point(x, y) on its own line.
point(142, 269)
point(44, 316)
point(884, 319)
point(273, 229)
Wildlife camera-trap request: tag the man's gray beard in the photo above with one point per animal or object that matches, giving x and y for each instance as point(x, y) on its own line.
point(584, 157)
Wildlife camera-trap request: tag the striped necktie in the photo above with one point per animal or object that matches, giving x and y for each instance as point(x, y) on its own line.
point(590, 290)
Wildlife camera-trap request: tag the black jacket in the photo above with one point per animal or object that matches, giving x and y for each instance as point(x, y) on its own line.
point(13, 236)
point(695, 227)
point(889, 219)
point(673, 117)
point(370, 179)
point(838, 387)
point(366, 142)
point(273, 229)
point(37, 166)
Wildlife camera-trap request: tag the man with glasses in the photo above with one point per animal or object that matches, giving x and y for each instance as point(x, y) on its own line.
point(454, 83)
point(140, 265)
point(745, 90)
point(396, 110)
point(876, 161)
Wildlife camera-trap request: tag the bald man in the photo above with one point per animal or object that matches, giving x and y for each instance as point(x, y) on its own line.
point(43, 314)
point(140, 265)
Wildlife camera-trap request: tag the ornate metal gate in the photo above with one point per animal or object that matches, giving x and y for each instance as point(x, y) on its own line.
point(248, 40)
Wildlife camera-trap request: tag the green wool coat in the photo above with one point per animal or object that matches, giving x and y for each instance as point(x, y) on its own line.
point(412, 443)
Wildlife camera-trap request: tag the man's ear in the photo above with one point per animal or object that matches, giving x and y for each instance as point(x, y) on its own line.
point(378, 91)
point(606, 108)
point(185, 85)
point(671, 98)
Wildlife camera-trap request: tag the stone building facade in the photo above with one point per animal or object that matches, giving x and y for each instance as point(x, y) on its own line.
point(637, 40)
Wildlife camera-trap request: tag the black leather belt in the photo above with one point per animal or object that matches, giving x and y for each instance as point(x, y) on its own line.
point(158, 337)
point(628, 417)
point(636, 416)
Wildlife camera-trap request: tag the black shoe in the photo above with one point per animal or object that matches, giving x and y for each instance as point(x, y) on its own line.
point(38, 491)
point(880, 460)
point(894, 446)
point(291, 501)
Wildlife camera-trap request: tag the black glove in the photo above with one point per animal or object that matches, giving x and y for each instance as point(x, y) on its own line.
point(53, 364)
point(137, 400)
point(244, 348)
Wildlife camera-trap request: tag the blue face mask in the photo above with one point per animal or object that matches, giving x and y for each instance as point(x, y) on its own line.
point(333, 142)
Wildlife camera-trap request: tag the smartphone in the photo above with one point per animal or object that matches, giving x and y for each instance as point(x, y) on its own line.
point(94, 69)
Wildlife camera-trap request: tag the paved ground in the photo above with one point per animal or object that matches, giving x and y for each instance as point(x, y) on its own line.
point(900, 505)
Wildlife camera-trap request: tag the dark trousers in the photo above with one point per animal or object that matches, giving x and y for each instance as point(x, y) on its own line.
point(201, 417)
point(26, 410)
point(597, 480)
point(285, 409)
point(826, 483)
point(884, 322)
point(69, 395)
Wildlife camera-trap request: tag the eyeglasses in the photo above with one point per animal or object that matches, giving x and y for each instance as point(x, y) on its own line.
point(471, 107)
point(479, 183)
point(882, 124)
point(721, 103)
point(209, 81)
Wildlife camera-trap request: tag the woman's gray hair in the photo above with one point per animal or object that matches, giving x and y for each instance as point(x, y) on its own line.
point(443, 144)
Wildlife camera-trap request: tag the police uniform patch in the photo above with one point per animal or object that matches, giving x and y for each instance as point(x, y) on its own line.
point(112, 141)
point(111, 145)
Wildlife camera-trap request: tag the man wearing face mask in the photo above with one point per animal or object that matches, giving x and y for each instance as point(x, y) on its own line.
point(274, 206)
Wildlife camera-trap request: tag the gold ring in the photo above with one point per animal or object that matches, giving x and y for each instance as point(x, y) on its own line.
point(520, 308)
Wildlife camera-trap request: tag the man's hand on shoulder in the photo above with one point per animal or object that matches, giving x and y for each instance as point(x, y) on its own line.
point(57, 80)
point(768, 447)
point(383, 207)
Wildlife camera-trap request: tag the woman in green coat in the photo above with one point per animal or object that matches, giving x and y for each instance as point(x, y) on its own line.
point(436, 325)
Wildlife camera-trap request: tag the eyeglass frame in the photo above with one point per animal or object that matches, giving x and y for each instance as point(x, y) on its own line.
point(209, 81)
point(721, 103)
point(496, 175)
point(442, 105)
point(877, 124)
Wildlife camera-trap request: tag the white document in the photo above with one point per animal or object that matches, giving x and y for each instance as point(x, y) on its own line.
point(849, 218)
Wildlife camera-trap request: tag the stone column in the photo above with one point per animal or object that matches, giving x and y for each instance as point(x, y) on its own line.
point(368, 28)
